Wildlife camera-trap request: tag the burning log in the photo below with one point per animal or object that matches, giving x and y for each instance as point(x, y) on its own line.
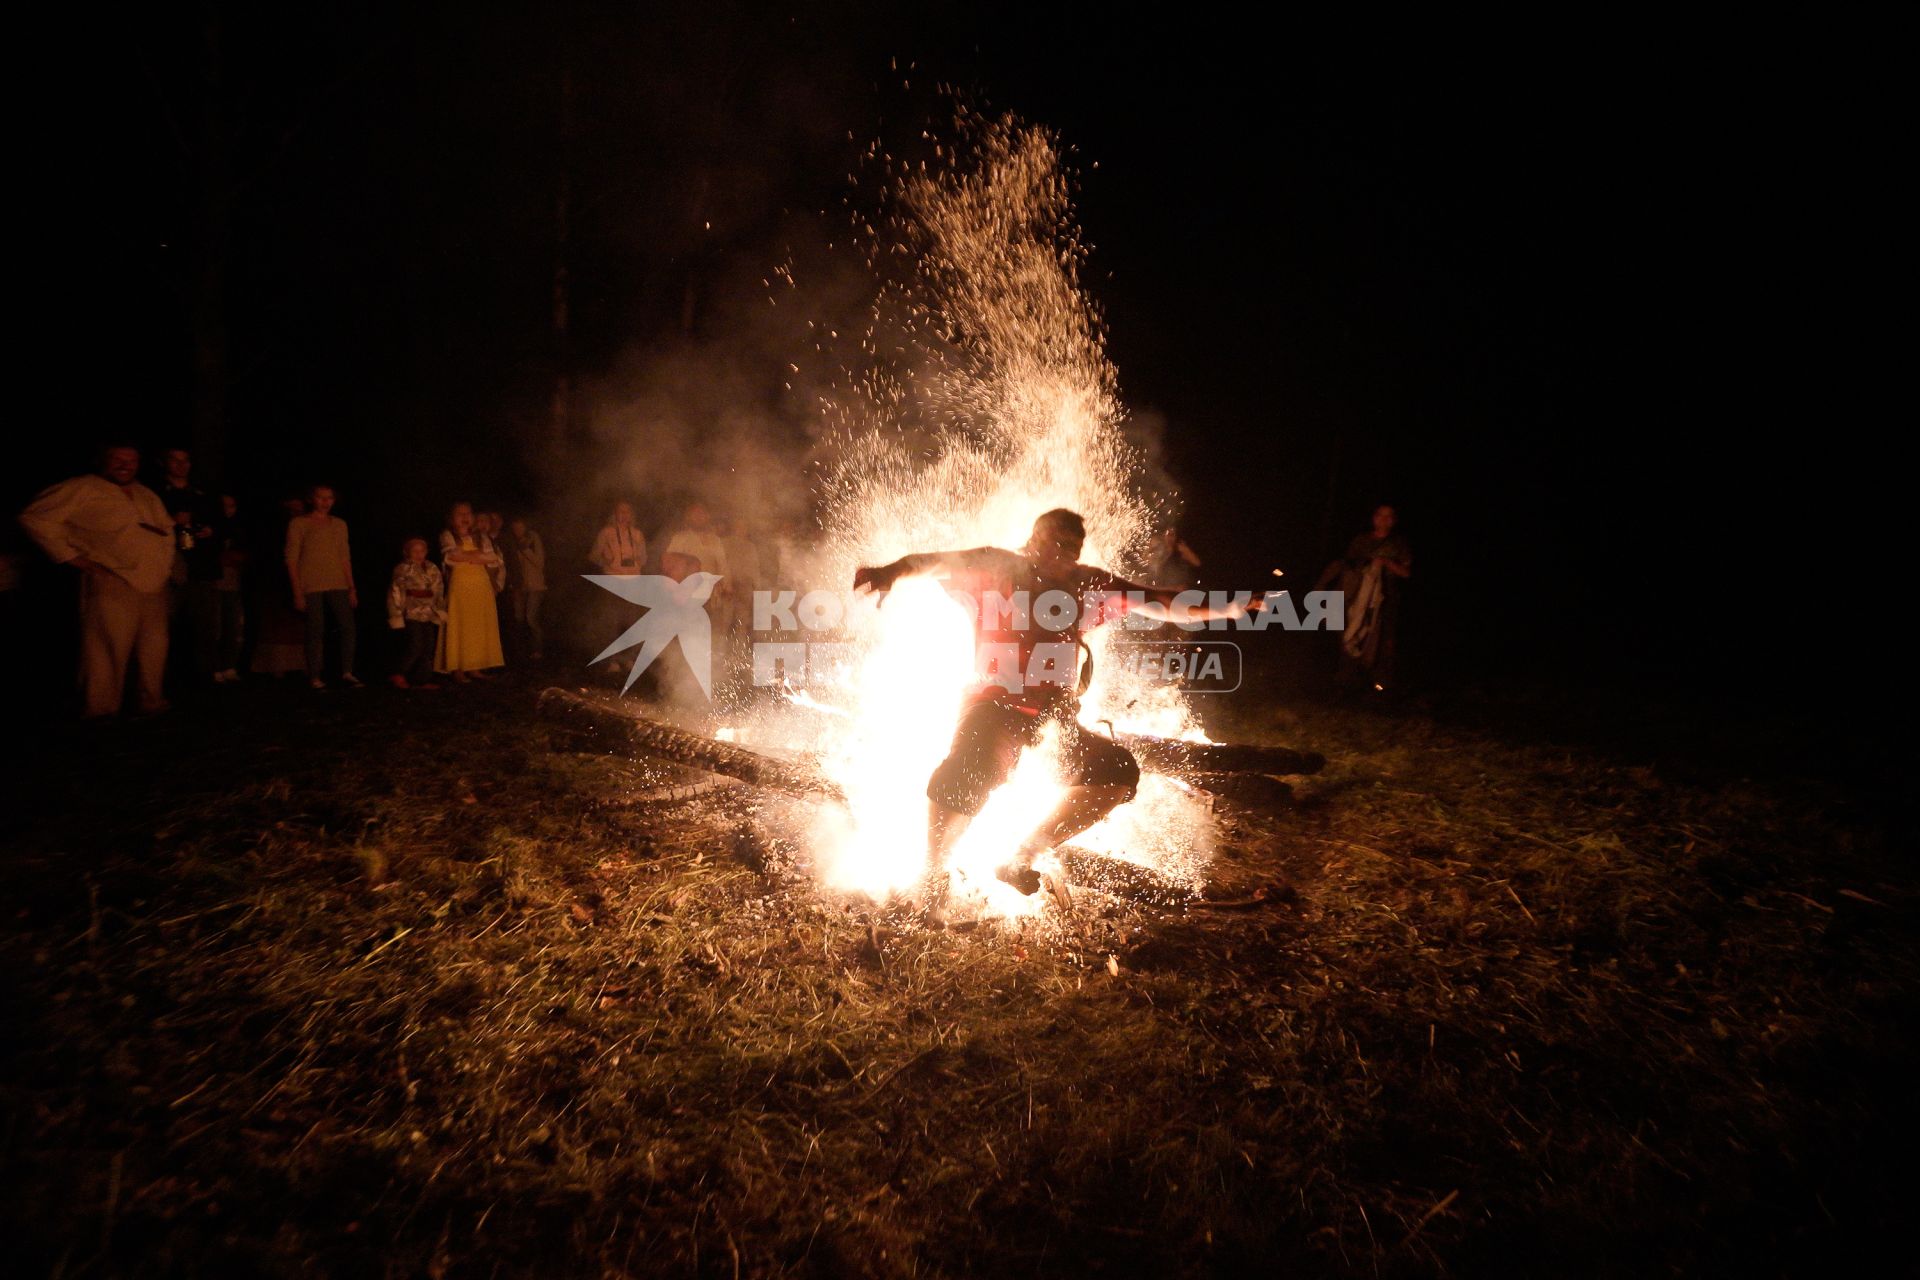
point(1143, 884)
point(1121, 879)
point(1169, 755)
point(604, 724)
point(1235, 771)
point(672, 793)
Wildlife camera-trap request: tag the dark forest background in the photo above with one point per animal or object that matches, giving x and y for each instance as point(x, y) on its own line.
point(1581, 302)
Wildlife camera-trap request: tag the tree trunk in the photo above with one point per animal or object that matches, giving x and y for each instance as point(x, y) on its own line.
point(209, 298)
point(560, 420)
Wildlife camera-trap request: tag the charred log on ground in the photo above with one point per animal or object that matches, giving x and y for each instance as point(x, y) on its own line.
point(598, 723)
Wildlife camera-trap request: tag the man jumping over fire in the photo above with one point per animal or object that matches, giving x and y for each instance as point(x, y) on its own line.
point(1027, 608)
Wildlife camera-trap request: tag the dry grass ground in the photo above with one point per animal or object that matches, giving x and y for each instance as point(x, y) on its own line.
point(379, 984)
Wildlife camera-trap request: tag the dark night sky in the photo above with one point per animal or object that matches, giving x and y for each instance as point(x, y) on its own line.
point(1556, 293)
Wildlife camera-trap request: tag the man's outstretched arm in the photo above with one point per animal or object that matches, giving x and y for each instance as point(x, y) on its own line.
point(880, 578)
point(1161, 603)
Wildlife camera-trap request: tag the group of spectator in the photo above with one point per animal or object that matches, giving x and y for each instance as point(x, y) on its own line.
point(161, 572)
point(166, 570)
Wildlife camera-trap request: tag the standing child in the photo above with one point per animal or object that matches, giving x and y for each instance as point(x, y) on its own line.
point(470, 640)
point(417, 604)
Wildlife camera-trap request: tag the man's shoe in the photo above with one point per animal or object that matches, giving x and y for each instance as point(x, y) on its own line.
point(1020, 875)
point(352, 681)
point(935, 890)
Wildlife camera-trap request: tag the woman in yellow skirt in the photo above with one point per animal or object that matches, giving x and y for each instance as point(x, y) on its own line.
point(470, 642)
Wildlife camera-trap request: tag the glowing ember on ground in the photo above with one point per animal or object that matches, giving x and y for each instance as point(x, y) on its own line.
point(1001, 406)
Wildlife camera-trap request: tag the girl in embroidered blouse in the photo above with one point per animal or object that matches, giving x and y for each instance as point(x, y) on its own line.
point(470, 640)
point(417, 605)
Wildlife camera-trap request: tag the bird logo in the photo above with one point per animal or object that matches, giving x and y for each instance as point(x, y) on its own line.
point(675, 611)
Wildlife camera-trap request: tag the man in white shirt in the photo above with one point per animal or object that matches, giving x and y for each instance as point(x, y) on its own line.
point(117, 534)
point(697, 539)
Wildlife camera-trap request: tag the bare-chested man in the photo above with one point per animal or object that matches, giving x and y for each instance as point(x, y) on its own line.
point(1028, 607)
